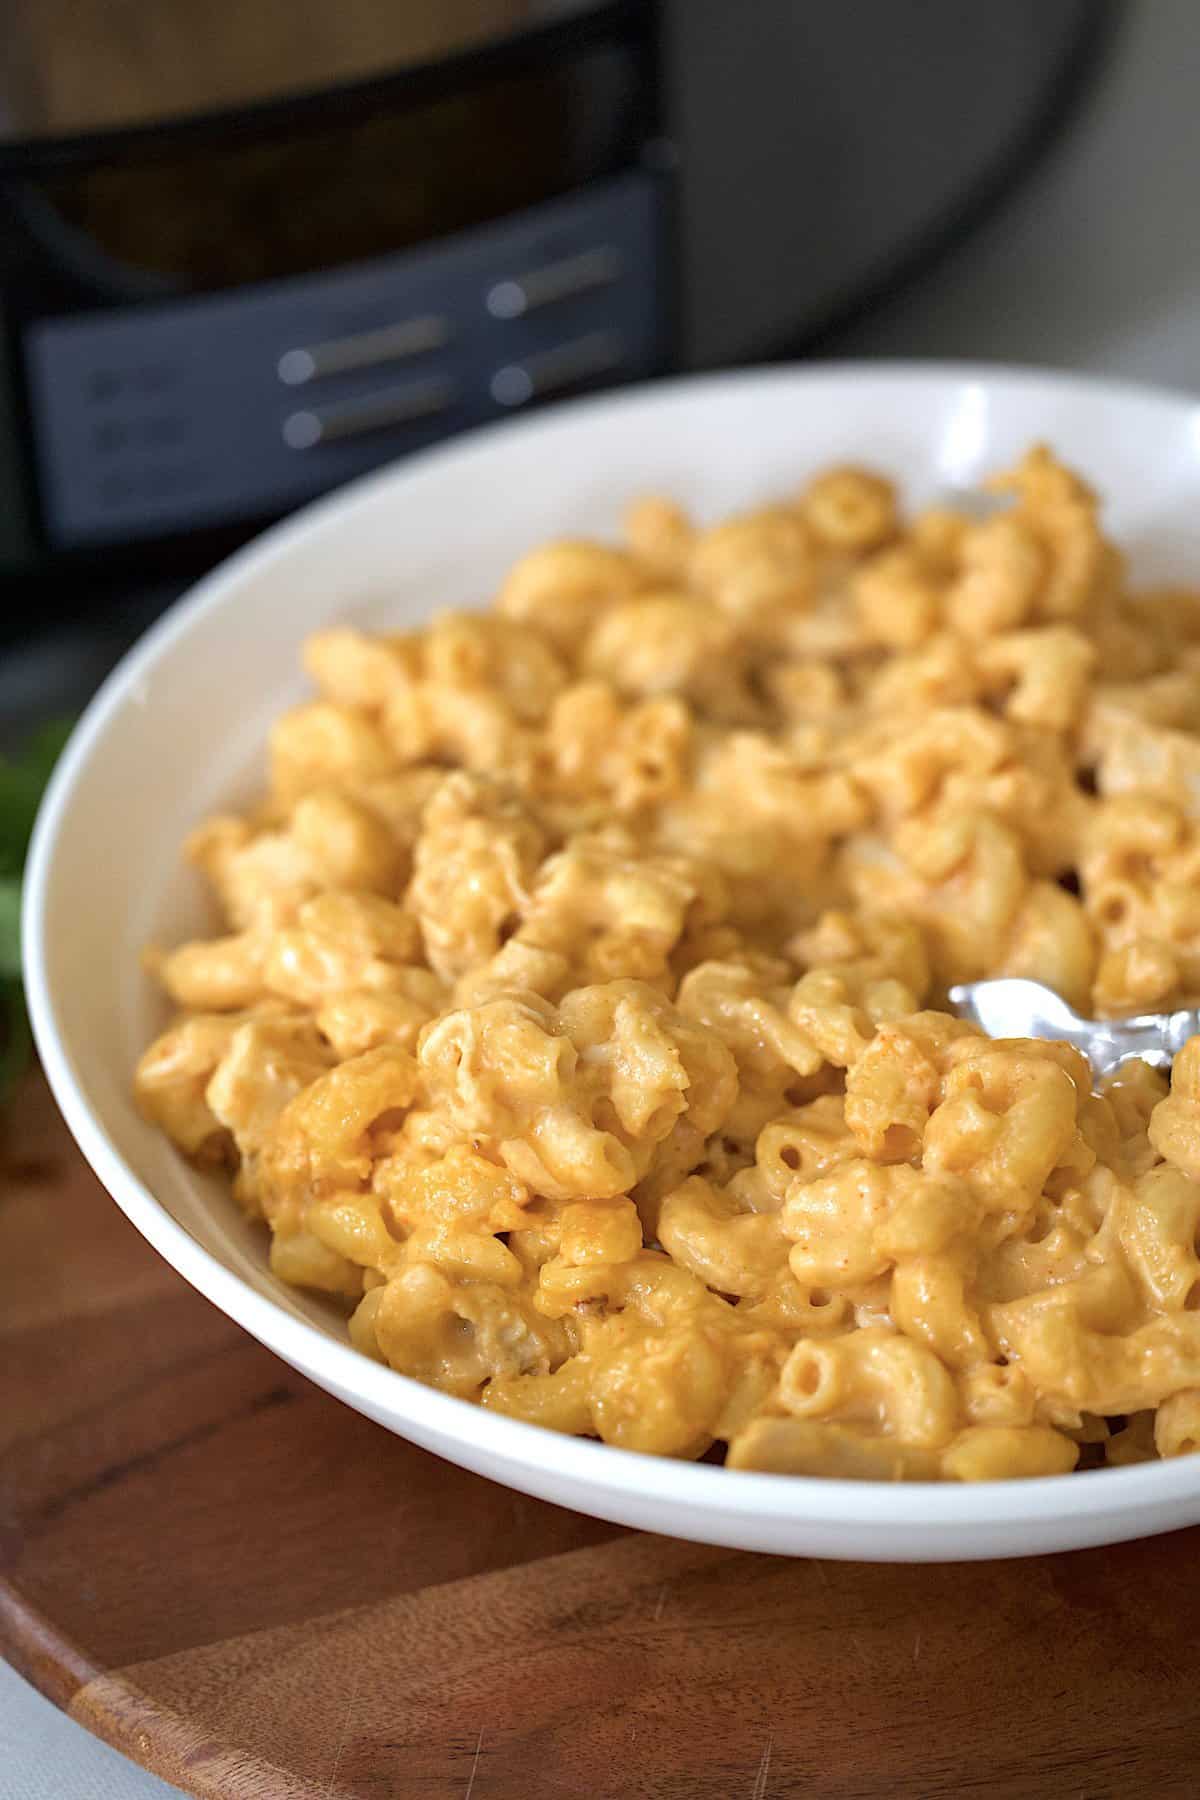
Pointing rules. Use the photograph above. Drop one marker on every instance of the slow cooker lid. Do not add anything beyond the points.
(72, 69)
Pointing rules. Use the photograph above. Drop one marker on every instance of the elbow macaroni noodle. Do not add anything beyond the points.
(579, 1015)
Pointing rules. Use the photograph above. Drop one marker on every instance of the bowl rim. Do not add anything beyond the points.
(383, 1392)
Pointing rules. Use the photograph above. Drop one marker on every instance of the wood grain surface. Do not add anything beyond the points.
(254, 1592)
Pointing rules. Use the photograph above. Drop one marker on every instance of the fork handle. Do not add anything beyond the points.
(1156, 1038)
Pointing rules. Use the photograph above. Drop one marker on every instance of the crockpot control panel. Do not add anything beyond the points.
(168, 416)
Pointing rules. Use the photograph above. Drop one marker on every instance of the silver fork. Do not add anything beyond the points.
(1012, 1007)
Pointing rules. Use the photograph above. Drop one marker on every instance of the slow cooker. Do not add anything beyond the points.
(250, 248)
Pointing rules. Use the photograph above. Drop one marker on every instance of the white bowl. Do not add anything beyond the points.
(178, 730)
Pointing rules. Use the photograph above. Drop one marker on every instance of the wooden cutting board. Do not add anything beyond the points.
(257, 1594)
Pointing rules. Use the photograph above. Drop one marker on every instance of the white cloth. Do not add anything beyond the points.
(46, 1756)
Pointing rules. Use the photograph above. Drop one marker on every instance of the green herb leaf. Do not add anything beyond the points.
(22, 781)
(45, 747)
(20, 791)
(10, 927)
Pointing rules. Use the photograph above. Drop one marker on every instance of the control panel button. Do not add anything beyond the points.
(306, 429)
(562, 280)
(552, 371)
(363, 350)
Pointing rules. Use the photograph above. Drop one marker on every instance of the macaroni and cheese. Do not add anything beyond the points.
(579, 1016)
